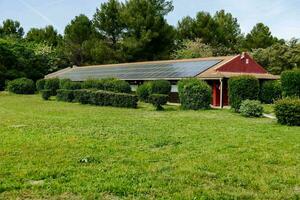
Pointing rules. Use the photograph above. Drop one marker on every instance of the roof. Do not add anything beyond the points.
(204, 68)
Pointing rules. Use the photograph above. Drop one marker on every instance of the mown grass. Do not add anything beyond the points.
(57, 150)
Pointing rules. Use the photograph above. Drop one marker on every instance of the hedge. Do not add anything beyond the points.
(65, 95)
(21, 86)
(242, 88)
(194, 94)
(143, 92)
(270, 91)
(67, 84)
(52, 85)
(290, 81)
(108, 84)
(83, 96)
(288, 111)
(158, 100)
(46, 94)
(40, 84)
(251, 108)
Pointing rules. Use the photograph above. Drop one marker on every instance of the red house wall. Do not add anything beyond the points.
(242, 64)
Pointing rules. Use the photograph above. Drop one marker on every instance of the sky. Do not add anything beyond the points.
(282, 16)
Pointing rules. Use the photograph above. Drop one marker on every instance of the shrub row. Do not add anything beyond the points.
(153, 87)
(99, 98)
(108, 84)
(290, 81)
(288, 111)
(194, 94)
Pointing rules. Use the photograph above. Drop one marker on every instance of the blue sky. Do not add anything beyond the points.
(282, 16)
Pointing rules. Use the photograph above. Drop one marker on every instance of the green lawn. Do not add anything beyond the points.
(57, 150)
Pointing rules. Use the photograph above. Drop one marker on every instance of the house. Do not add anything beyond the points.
(214, 70)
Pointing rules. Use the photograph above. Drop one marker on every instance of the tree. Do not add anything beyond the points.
(11, 28)
(78, 32)
(193, 49)
(46, 35)
(108, 22)
(259, 37)
(147, 34)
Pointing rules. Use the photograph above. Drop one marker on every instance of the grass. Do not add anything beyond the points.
(57, 150)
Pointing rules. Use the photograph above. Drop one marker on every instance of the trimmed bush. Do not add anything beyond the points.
(108, 84)
(160, 87)
(290, 81)
(251, 108)
(288, 111)
(46, 94)
(242, 88)
(67, 84)
(194, 94)
(21, 86)
(53, 85)
(158, 100)
(83, 96)
(40, 85)
(143, 92)
(270, 91)
(65, 95)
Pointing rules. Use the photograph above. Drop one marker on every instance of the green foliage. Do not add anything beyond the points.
(270, 91)
(40, 84)
(242, 88)
(67, 84)
(251, 108)
(158, 100)
(12, 29)
(290, 81)
(47, 35)
(160, 87)
(21, 86)
(194, 94)
(193, 49)
(53, 85)
(46, 94)
(83, 96)
(65, 95)
(288, 111)
(108, 84)
(143, 91)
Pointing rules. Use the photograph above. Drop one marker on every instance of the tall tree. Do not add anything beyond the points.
(77, 33)
(108, 22)
(147, 35)
(259, 37)
(11, 28)
(46, 35)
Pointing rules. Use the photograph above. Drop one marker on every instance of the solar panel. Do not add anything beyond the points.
(141, 71)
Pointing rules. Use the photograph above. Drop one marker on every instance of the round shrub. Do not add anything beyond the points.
(46, 94)
(194, 94)
(290, 82)
(40, 84)
(21, 86)
(251, 108)
(288, 111)
(160, 87)
(143, 92)
(242, 88)
(158, 100)
(270, 91)
(67, 84)
(53, 85)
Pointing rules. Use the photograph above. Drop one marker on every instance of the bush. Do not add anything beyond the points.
(270, 91)
(160, 87)
(67, 84)
(251, 108)
(53, 85)
(108, 84)
(288, 111)
(290, 81)
(242, 88)
(83, 96)
(143, 92)
(40, 84)
(46, 94)
(21, 86)
(194, 94)
(65, 95)
(158, 100)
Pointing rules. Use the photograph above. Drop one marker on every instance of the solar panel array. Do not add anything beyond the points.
(143, 71)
